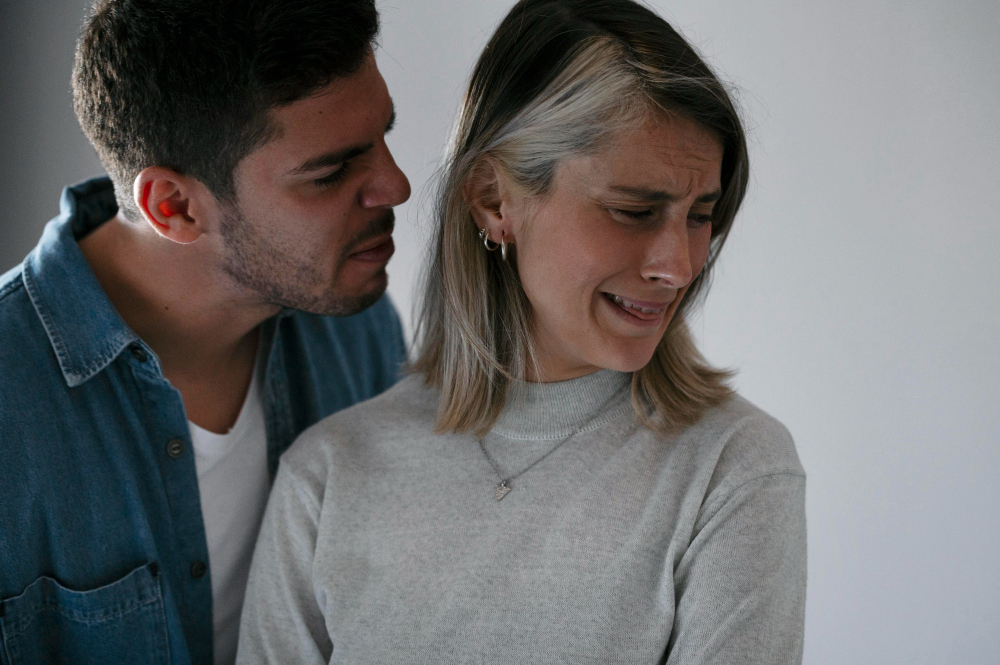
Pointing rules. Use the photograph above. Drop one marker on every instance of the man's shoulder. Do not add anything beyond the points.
(33, 394)
(30, 369)
(10, 282)
(20, 328)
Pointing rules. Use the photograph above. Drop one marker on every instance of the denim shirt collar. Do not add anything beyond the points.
(84, 328)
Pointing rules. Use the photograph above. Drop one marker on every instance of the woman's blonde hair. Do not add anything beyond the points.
(562, 78)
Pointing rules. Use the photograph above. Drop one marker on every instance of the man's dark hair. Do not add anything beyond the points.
(187, 84)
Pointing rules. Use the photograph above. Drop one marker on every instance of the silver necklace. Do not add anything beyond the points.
(504, 487)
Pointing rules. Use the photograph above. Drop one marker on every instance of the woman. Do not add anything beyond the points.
(563, 478)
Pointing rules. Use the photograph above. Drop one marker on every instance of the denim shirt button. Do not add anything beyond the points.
(139, 354)
(175, 448)
(198, 569)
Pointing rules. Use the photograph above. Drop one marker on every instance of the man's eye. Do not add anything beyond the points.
(334, 177)
(700, 220)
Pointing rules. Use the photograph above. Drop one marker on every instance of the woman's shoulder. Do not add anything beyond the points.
(741, 443)
(402, 411)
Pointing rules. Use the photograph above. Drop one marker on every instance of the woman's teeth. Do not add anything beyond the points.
(625, 303)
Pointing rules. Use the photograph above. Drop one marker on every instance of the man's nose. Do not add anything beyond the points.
(388, 186)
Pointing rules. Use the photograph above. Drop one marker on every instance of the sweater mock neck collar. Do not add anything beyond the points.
(557, 410)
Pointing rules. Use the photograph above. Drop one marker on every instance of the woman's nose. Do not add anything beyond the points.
(669, 258)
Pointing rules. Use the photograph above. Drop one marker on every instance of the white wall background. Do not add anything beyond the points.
(859, 295)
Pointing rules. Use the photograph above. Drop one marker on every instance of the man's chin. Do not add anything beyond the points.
(340, 305)
(351, 306)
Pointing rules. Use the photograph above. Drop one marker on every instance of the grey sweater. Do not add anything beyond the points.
(384, 543)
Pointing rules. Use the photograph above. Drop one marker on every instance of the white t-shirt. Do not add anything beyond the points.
(233, 481)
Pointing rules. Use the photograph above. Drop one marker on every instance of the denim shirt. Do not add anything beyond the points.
(103, 557)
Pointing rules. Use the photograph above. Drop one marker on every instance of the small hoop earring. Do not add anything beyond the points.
(485, 236)
(492, 246)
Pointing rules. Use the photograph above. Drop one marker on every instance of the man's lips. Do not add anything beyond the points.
(379, 250)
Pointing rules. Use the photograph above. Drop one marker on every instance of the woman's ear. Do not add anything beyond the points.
(170, 203)
(488, 195)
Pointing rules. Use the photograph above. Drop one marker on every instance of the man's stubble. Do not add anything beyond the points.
(279, 278)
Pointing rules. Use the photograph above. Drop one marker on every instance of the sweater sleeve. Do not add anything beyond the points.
(282, 620)
(740, 586)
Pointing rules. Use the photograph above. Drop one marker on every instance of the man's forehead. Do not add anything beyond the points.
(357, 99)
(347, 113)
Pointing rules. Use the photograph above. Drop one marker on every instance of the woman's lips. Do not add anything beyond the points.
(637, 311)
(380, 253)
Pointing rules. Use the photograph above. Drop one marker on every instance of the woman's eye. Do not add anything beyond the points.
(700, 220)
(334, 177)
(635, 215)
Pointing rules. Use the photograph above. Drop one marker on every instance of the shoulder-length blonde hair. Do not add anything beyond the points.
(561, 78)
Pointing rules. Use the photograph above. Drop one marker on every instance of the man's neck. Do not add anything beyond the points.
(177, 299)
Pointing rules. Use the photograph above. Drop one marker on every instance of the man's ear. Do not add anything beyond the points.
(489, 198)
(174, 205)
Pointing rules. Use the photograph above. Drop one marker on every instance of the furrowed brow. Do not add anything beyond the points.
(331, 159)
(711, 197)
(643, 194)
(646, 195)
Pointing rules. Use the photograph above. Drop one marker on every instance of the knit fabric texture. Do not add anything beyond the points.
(384, 542)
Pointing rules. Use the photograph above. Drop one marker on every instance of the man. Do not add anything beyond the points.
(181, 322)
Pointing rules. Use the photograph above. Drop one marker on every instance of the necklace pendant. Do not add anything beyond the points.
(502, 489)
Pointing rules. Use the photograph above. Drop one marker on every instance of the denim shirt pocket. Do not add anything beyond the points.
(121, 622)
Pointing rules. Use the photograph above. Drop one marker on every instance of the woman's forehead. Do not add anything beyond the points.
(663, 158)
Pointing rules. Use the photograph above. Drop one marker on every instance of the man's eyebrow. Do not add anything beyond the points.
(331, 159)
(392, 117)
(646, 195)
(338, 157)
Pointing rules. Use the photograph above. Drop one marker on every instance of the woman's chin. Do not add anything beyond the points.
(627, 356)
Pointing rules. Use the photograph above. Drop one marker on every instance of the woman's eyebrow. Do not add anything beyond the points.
(647, 195)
